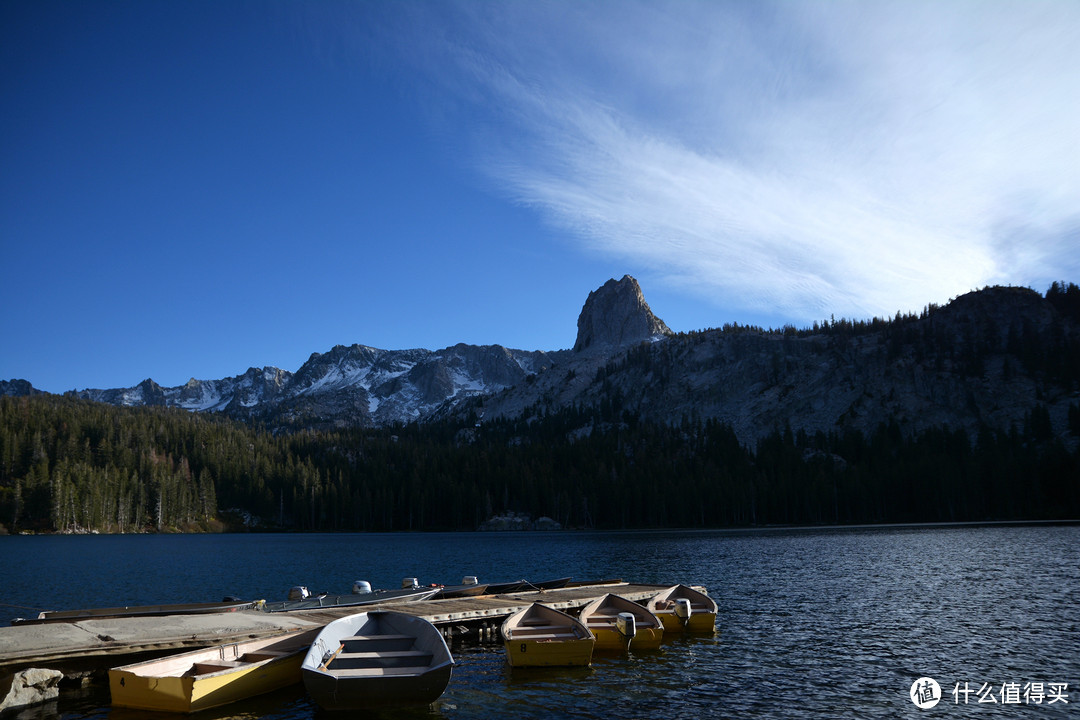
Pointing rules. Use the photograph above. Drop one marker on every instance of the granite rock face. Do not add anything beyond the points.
(615, 316)
(29, 687)
(18, 388)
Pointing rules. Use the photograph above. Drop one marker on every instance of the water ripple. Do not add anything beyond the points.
(812, 624)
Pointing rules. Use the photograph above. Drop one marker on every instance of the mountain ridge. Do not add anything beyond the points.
(986, 358)
(355, 384)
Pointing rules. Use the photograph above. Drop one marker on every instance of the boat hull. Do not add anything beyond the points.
(459, 591)
(526, 586)
(601, 617)
(539, 636)
(704, 622)
(377, 659)
(337, 693)
(612, 640)
(59, 616)
(202, 679)
(378, 597)
(702, 618)
(550, 653)
(192, 694)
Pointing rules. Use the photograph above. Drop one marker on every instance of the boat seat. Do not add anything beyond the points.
(567, 635)
(528, 629)
(205, 668)
(260, 655)
(380, 671)
(376, 637)
(369, 660)
(377, 643)
(392, 653)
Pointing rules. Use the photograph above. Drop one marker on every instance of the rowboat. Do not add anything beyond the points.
(684, 609)
(446, 592)
(201, 679)
(52, 616)
(620, 624)
(324, 600)
(539, 636)
(377, 658)
(469, 587)
(525, 586)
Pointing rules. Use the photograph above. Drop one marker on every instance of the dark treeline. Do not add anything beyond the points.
(1053, 355)
(71, 465)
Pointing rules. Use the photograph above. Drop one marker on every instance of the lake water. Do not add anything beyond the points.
(812, 623)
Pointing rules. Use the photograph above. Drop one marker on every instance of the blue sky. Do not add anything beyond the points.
(189, 189)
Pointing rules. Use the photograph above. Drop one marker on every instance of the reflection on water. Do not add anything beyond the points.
(812, 624)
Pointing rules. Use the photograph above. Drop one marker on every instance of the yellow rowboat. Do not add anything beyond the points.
(202, 679)
(539, 636)
(684, 609)
(620, 624)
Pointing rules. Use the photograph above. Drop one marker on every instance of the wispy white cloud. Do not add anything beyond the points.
(796, 158)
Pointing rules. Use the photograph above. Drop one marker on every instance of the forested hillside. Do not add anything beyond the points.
(987, 358)
(73, 465)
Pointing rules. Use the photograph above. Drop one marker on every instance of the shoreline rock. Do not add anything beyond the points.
(29, 687)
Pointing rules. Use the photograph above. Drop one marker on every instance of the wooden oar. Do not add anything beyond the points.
(326, 664)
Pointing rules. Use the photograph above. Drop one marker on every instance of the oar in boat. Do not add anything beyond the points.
(326, 664)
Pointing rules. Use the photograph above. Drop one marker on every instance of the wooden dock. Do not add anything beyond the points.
(88, 645)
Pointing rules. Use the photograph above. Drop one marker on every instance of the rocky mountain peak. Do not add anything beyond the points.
(616, 315)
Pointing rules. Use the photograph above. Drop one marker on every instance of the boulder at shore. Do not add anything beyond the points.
(29, 687)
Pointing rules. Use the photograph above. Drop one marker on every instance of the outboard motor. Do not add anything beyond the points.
(410, 584)
(624, 623)
(361, 587)
(299, 592)
(470, 580)
(682, 610)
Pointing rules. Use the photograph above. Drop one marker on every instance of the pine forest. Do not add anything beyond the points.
(74, 466)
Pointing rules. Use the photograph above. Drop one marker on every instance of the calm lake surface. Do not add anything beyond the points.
(812, 623)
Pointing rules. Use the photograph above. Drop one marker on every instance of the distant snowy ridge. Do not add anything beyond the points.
(353, 384)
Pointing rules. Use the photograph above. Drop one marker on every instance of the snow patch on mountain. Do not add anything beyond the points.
(132, 396)
(354, 384)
